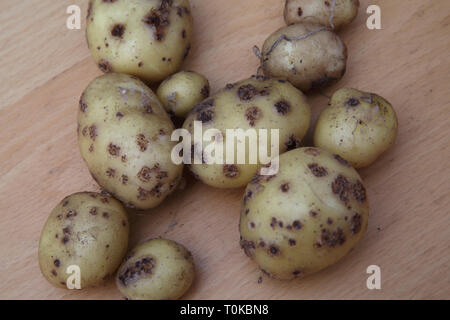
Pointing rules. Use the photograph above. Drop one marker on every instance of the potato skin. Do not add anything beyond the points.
(181, 91)
(86, 229)
(358, 126)
(157, 269)
(146, 38)
(305, 218)
(306, 69)
(344, 12)
(258, 103)
(124, 138)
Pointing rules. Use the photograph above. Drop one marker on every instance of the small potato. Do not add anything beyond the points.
(356, 125)
(305, 218)
(146, 38)
(88, 230)
(256, 103)
(180, 92)
(288, 53)
(124, 138)
(331, 13)
(157, 269)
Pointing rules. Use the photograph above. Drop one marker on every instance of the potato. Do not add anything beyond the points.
(157, 269)
(287, 53)
(124, 136)
(180, 92)
(146, 38)
(356, 125)
(256, 103)
(88, 230)
(305, 218)
(331, 13)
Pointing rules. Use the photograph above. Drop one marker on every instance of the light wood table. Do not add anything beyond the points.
(45, 67)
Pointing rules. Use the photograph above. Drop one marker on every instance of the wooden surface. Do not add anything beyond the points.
(45, 67)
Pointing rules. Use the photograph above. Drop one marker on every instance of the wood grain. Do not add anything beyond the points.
(45, 67)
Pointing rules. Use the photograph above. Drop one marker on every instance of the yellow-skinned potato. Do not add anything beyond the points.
(358, 126)
(124, 137)
(256, 103)
(182, 91)
(306, 217)
(287, 54)
(331, 13)
(88, 230)
(146, 38)
(157, 269)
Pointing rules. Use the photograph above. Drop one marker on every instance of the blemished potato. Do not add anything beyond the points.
(331, 13)
(287, 54)
(256, 103)
(88, 230)
(356, 125)
(305, 218)
(146, 38)
(182, 91)
(157, 269)
(124, 136)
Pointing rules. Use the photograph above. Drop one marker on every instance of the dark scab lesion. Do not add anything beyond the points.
(331, 238)
(359, 192)
(54, 273)
(297, 225)
(312, 151)
(118, 30)
(293, 143)
(139, 269)
(205, 91)
(352, 102)
(83, 104)
(274, 251)
(283, 107)
(231, 171)
(105, 66)
(113, 150)
(110, 173)
(93, 211)
(285, 187)
(142, 142)
(248, 247)
(205, 110)
(341, 187)
(158, 19)
(71, 214)
(317, 170)
(356, 223)
(93, 132)
(322, 82)
(342, 160)
(124, 179)
(252, 115)
(248, 92)
(57, 263)
(105, 215)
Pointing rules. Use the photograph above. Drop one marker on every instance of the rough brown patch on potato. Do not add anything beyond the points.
(274, 250)
(142, 142)
(342, 160)
(285, 187)
(341, 187)
(83, 104)
(330, 221)
(352, 102)
(292, 242)
(183, 34)
(65, 203)
(312, 151)
(317, 170)
(355, 223)
(105, 66)
(141, 268)
(119, 115)
(283, 107)
(93, 211)
(124, 179)
(253, 114)
(140, 64)
(322, 82)
(204, 110)
(247, 92)
(186, 52)
(248, 247)
(252, 225)
(231, 171)
(359, 192)
(297, 225)
(144, 174)
(105, 215)
(71, 214)
(300, 11)
(205, 91)
(229, 86)
(313, 213)
(118, 30)
(113, 150)
(93, 132)
(158, 19)
(110, 173)
(54, 272)
(293, 143)
(247, 211)
(331, 239)
(57, 263)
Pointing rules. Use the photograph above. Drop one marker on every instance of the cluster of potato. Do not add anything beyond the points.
(294, 222)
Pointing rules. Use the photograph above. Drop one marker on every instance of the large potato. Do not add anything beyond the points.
(182, 91)
(88, 230)
(358, 126)
(157, 269)
(331, 13)
(124, 137)
(305, 218)
(146, 38)
(309, 55)
(256, 103)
